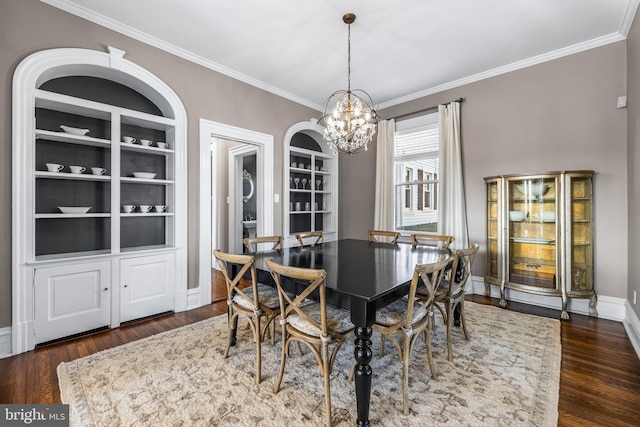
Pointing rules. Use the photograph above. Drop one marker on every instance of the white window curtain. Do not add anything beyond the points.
(384, 202)
(452, 215)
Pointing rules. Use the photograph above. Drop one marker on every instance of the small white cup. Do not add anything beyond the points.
(54, 167)
(128, 208)
(98, 171)
(77, 169)
(145, 142)
(129, 139)
(160, 208)
(294, 165)
(145, 208)
(161, 144)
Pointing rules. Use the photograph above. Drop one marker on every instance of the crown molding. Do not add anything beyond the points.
(114, 25)
(629, 15)
(534, 60)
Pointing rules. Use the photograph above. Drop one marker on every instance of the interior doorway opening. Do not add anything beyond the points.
(216, 142)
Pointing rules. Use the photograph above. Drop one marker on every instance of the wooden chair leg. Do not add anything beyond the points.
(382, 339)
(327, 389)
(283, 359)
(449, 321)
(405, 374)
(233, 320)
(432, 366)
(258, 339)
(464, 325)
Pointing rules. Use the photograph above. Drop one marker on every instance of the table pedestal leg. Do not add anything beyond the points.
(363, 354)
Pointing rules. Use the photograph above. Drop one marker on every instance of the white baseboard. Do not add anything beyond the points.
(610, 308)
(632, 326)
(5, 342)
(193, 298)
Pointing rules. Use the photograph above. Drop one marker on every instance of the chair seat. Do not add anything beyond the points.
(337, 320)
(396, 312)
(267, 296)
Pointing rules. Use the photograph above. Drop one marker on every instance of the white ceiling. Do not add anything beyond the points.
(400, 50)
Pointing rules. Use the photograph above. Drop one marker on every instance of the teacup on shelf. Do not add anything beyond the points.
(54, 167)
(145, 208)
(162, 145)
(145, 142)
(77, 169)
(160, 208)
(129, 139)
(98, 171)
(128, 208)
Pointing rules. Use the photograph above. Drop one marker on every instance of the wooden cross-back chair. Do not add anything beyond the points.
(451, 292)
(407, 318)
(315, 236)
(315, 325)
(252, 243)
(381, 236)
(436, 240)
(254, 302)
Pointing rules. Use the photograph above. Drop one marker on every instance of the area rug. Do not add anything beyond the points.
(506, 375)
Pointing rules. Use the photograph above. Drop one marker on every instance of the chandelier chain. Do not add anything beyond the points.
(349, 59)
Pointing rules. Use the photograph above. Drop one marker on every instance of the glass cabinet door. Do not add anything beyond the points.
(533, 234)
(492, 230)
(580, 234)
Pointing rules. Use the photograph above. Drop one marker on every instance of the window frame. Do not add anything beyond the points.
(425, 189)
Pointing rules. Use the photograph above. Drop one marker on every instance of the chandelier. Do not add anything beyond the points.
(348, 116)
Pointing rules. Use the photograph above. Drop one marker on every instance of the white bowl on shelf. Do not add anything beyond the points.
(74, 209)
(74, 131)
(145, 175)
(548, 216)
(516, 216)
(536, 190)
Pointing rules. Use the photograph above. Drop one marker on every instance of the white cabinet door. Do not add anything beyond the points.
(146, 286)
(71, 299)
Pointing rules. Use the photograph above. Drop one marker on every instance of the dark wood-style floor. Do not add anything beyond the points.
(599, 381)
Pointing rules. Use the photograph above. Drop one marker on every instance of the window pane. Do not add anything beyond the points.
(416, 200)
(425, 219)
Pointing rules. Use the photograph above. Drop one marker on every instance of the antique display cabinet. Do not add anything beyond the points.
(540, 235)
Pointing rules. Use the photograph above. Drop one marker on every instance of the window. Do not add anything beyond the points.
(416, 178)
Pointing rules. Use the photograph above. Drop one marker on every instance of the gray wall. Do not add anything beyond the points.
(558, 115)
(28, 26)
(633, 161)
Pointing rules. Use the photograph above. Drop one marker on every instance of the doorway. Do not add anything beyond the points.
(244, 195)
(214, 192)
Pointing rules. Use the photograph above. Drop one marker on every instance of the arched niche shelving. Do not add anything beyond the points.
(310, 191)
(81, 260)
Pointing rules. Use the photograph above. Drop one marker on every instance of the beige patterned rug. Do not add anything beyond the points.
(506, 375)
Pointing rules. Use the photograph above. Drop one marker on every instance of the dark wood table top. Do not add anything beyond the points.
(357, 268)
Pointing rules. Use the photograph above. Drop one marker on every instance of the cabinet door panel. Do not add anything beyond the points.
(147, 286)
(71, 299)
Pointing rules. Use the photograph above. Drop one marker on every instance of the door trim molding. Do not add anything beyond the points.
(209, 130)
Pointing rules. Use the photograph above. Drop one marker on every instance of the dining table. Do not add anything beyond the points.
(362, 277)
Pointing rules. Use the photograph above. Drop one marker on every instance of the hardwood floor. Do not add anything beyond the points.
(599, 381)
